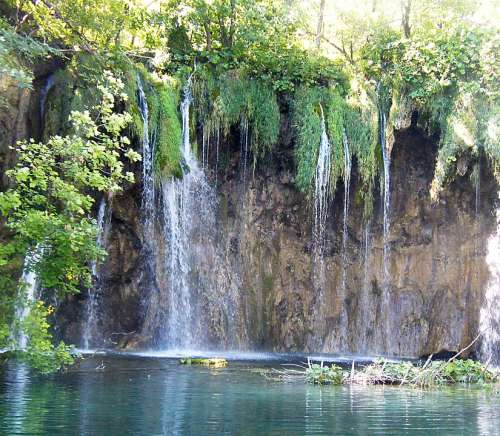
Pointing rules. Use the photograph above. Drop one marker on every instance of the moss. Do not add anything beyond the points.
(164, 124)
(169, 132)
(267, 283)
(306, 122)
(222, 103)
(343, 115)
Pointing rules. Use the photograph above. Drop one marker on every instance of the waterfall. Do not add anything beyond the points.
(180, 307)
(365, 311)
(347, 183)
(90, 327)
(29, 278)
(384, 331)
(198, 283)
(244, 147)
(43, 96)
(322, 188)
(387, 196)
(29, 283)
(148, 186)
(321, 203)
(489, 319)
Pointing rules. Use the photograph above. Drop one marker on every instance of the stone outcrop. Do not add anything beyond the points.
(437, 262)
(437, 269)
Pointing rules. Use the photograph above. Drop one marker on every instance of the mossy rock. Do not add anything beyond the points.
(214, 363)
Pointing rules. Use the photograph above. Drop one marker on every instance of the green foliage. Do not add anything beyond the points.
(89, 24)
(166, 126)
(17, 54)
(49, 205)
(258, 37)
(306, 121)
(324, 374)
(431, 374)
(41, 353)
(225, 101)
(451, 76)
(342, 117)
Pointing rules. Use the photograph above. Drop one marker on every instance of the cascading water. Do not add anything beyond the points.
(90, 336)
(321, 189)
(30, 292)
(196, 284)
(29, 277)
(342, 292)
(321, 202)
(244, 147)
(386, 157)
(489, 320)
(43, 97)
(347, 184)
(148, 185)
(387, 195)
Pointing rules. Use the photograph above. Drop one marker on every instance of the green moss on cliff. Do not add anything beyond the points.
(167, 127)
(226, 101)
(342, 117)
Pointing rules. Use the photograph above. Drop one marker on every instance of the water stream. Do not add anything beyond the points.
(341, 343)
(489, 320)
(29, 277)
(322, 192)
(148, 185)
(197, 274)
(30, 292)
(386, 156)
(91, 333)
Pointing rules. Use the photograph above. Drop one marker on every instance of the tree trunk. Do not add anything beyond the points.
(319, 29)
(405, 18)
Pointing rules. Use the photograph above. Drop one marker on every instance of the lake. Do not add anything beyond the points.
(140, 395)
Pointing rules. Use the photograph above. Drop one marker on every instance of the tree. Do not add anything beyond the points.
(48, 208)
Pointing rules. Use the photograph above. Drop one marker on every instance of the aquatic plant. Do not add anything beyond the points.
(212, 362)
(320, 374)
(381, 371)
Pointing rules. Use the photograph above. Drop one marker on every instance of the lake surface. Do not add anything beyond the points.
(134, 395)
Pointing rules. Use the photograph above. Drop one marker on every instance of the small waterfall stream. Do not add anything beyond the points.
(198, 281)
(148, 185)
(387, 195)
(321, 189)
(244, 147)
(29, 278)
(385, 304)
(489, 319)
(321, 203)
(31, 291)
(43, 97)
(90, 335)
(347, 185)
(178, 219)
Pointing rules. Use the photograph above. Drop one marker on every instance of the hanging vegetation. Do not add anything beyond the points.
(223, 102)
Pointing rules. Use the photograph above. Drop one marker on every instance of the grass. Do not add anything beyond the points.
(430, 374)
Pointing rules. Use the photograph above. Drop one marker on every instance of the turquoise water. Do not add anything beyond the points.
(153, 396)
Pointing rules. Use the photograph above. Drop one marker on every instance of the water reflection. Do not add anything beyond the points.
(159, 397)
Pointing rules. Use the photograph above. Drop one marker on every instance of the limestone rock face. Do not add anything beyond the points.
(437, 269)
(14, 121)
